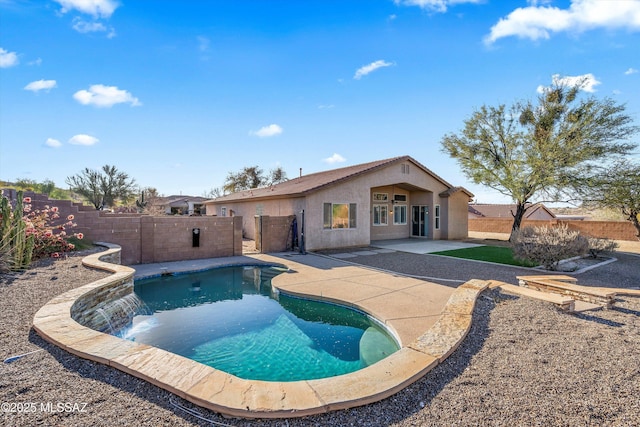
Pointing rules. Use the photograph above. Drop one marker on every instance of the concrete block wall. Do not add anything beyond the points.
(273, 233)
(615, 230)
(171, 238)
(148, 239)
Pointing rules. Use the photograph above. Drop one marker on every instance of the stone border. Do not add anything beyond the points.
(236, 397)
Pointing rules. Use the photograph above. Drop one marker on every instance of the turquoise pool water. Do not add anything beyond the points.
(230, 318)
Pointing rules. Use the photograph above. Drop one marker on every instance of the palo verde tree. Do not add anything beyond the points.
(617, 187)
(252, 177)
(539, 150)
(104, 187)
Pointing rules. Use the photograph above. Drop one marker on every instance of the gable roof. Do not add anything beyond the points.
(505, 210)
(306, 184)
(178, 200)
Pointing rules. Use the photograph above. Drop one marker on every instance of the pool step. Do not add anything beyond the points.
(603, 297)
(564, 302)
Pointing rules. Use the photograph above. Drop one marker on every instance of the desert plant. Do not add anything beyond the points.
(548, 246)
(16, 247)
(30, 234)
(49, 233)
(599, 245)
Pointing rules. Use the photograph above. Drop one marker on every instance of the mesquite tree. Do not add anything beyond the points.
(533, 150)
(103, 188)
(252, 177)
(617, 187)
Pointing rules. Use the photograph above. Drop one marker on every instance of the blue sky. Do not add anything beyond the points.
(177, 94)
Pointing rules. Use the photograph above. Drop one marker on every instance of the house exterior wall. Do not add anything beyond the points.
(249, 209)
(316, 237)
(424, 190)
(391, 230)
(454, 221)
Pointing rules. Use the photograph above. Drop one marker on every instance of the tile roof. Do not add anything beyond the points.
(312, 182)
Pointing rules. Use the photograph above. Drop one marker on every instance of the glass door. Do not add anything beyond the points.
(420, 221)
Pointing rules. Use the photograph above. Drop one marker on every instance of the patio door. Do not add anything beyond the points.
(420, 221)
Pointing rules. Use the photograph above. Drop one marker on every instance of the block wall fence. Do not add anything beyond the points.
(273, 233)
(615, 230)
(148, 239)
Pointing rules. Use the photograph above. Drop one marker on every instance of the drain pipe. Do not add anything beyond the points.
(302, 248)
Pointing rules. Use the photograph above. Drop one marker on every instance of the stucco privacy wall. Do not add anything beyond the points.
(147, 239)
(616, 230)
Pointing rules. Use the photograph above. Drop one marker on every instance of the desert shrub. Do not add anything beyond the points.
(599, 245)
(30, 234)
(16, 246)
(548, 245)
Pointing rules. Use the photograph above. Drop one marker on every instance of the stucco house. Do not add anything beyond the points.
(181, 205)
(351, 206)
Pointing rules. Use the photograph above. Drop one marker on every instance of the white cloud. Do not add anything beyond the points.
(39, 85)
(433, 5)
(82, 26)
(630, 71)
(54, 143)
(8, 59)
(36, 62)
(366, 69)
(539, 22)
(336, 158)
(105, 96)
(587, 82)
(83, 139)
(95, 8)
(267, 131)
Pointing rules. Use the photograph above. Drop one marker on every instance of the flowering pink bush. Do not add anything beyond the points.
(50, 235)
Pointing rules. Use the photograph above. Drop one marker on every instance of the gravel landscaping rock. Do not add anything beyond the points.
(523, 363)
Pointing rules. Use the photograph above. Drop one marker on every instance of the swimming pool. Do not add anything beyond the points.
(231, 319)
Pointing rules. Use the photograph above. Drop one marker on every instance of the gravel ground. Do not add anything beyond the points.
(523, 363)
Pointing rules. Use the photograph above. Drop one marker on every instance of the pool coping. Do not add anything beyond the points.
(392, 299)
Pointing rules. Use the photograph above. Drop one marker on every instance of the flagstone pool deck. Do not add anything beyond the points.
(428, 320)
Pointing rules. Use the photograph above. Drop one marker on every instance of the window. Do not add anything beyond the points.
(405, 168)
(400, 198)
(400, 214)
(339, 215)
(380, 197)
(437, 217)
(380, 214)
(223, 211)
